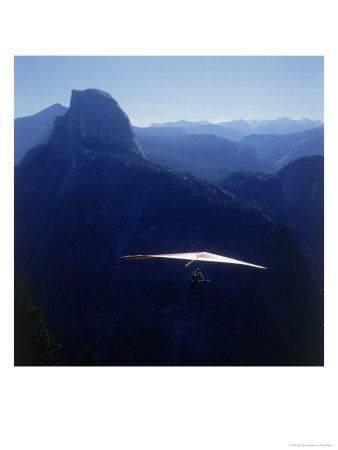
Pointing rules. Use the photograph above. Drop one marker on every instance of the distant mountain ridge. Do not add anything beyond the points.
(283, 125)
(202, 127)
(279, 150)
(31, 130)
(206, 156)
(243, 127)
(213, 158)
(159, 131)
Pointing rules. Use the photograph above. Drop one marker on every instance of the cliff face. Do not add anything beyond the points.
(89, 196)
(94, 121)
(295, 195)
(263, 189)
(302, 182)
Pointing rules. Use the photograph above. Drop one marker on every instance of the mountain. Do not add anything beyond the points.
(261, 188)
(206, 156)
(279, 150)
(88, 195)
(302, 183)
(201, 127)
(31, 130)
(283, 125)
(180, 124)
(294, 195)
(236, 130)
(159, 131)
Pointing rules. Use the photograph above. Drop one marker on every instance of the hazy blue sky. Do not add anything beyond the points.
(157, 89)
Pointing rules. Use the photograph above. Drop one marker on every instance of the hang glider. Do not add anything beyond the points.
(195, 256)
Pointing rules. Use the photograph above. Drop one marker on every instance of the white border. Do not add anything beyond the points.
(169, 408)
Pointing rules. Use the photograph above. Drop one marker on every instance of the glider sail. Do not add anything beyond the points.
(195, 256)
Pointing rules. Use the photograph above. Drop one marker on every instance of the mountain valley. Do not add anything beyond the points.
(90, 194)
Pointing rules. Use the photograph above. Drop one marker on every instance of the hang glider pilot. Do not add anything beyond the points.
(197, 275)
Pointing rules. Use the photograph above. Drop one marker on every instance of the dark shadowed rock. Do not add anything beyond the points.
(263, 189)
(295, 195)
(302, 183)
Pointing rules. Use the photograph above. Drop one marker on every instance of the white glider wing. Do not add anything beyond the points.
(195, 256)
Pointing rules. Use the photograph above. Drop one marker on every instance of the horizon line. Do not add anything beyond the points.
(212, 122)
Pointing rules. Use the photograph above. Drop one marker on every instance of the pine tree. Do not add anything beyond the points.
(33, 342)
(87, 358)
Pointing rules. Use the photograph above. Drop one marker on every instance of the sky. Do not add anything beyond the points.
(169, 88)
